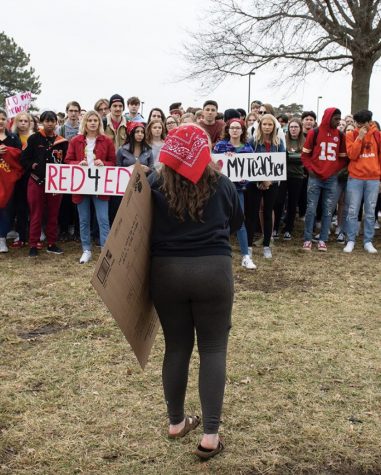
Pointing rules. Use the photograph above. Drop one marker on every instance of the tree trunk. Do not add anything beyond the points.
(361, 74)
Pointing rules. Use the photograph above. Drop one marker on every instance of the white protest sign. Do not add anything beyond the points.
(18, 103)
(252, 166)
(75, 179)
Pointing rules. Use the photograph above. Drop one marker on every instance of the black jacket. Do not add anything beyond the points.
(41, 150)
(222, 216)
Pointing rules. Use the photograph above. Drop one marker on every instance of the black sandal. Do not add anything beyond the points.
(206, 454)
(189, 425)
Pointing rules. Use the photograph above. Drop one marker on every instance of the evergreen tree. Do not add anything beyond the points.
(15, 73)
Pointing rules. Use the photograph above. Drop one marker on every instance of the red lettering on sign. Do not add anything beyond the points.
(63, 177)
(53, 172)
(120, 171)
(75, 171)
(108, 180)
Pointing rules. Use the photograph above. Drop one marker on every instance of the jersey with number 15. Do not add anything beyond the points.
(324, 153)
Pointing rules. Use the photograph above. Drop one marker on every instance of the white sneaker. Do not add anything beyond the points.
(376, 225)
(250, 249)
(3, 245)
(247, 262)
(86, 257)
(13, 234)
(349, 247)
(370, 248)
(267, 253)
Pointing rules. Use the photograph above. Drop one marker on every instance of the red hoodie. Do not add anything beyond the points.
(328, 156)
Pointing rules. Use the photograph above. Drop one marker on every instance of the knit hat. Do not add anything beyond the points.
(186, 150)
(132, 125)
(117, 98)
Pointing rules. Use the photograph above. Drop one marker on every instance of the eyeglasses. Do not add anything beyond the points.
(261, 112)
(235, 128)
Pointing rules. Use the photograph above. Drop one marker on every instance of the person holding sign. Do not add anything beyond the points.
(195, 210)
(43, 147)
(235, 141)
(91, 148)
(266, 140)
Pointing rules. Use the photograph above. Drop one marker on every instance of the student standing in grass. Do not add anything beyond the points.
(235, 141)
(195, 210)
(43, 147)
(364, 152)
(91, 148)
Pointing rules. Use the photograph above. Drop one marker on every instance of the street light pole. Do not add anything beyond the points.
(317, 108)
(251, 73)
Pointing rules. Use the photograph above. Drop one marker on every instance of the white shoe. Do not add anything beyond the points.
(250, 249)
(370, 248)
(349, 247)
(267, 253)
(86, 257)
(13, 234)
(376, 225)
(3, 245)
(247, 262)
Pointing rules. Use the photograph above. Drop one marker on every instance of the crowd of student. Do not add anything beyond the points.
(333, 170)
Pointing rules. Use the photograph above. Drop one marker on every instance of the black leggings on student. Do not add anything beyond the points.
(194, 294)
(269, 197)
(290, 189)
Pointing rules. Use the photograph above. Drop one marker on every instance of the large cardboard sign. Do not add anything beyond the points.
(253, 166)
(18, 103)
(75, 179)
(121, 275)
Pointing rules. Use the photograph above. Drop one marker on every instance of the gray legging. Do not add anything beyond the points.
(194, 293)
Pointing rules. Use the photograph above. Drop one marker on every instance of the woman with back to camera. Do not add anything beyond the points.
(91, 147)
(266, 140)
(235, 141)
(195, 210)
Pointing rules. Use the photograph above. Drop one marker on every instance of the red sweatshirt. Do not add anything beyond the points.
(328, 156)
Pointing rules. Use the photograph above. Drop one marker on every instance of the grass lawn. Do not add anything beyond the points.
(303, 394)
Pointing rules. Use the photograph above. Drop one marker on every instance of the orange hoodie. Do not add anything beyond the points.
(364, 155)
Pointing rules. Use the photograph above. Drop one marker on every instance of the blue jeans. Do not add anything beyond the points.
(242, 233)
(101, 211)
(356, 190)
(341, 188)
(328, 190)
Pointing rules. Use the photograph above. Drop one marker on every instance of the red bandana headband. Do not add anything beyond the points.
(132, 125)
(186, 150)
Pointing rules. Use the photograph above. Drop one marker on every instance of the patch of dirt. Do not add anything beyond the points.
(50, 329)
(271, 282)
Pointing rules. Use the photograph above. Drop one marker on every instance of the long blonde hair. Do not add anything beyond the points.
(82, 126)
(259, 136)
(16, 121)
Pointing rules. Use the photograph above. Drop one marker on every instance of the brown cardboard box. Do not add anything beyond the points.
(121, 275)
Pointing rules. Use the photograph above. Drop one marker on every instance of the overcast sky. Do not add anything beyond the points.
(87, 49)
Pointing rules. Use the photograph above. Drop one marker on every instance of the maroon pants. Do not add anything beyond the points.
(37, 201)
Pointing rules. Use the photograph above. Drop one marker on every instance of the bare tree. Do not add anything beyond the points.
(298, 36)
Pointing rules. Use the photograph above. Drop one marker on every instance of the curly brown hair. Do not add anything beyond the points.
(183, 196)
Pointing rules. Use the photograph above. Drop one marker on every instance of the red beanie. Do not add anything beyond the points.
(186, 150)
(132, 125)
